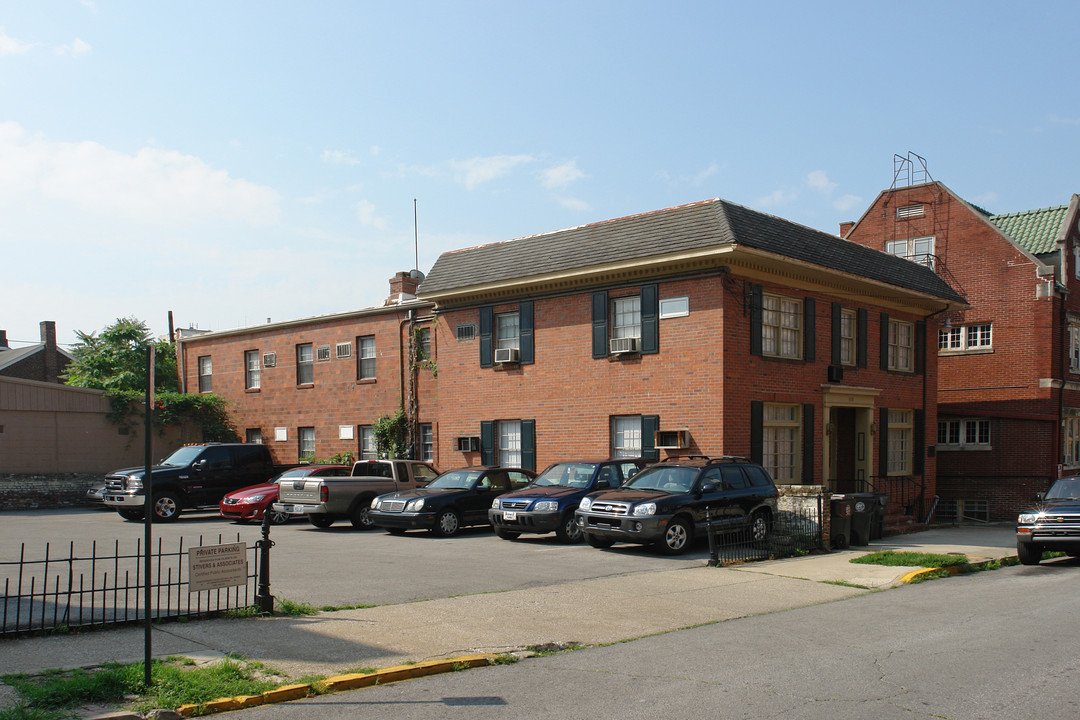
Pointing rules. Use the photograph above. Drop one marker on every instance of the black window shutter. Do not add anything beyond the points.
(650, 319)
(599, 324)
(809, 330)
(649, 425)
(883, 444)
(884, 341)
(487, 442)
(755, 319)
(528, 444)
(808, 436)
(836, 320)
(920, 346)
(487, 340)
(861, 324)
(757, 431)
(525, 327)
(918, 446)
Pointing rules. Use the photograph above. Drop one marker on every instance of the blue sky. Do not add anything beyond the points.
(237, 161)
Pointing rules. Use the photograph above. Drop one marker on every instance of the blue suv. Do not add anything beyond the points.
(547, 504)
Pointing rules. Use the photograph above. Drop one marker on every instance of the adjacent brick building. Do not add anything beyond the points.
(44, 362)
(1009, 366)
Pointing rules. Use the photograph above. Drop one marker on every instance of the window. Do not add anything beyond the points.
(847, 337)
(509, 443)
(427, 442)
(1071, 436)
(901, 345)
(626, 317)
(367, 443)
(423, 344)
(305, 368)
(365, 357)
(626, 436)
(900, 442)
(344, 350)
(781, 326)
(251, 370)
(965, 337)
(306, 437)
(919, 250)
(508, 331)
(674, 307)
(1074, 348)
(253, 436)
(465, 332)
(206, 372)
(964, 433)
(781, 440)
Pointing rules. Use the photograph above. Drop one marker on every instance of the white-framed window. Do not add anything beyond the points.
(343, 350)
(674, 307)
(626, 436)
(365, 357)
(1074, 347)
(252, 373)
(206, 374)
(367, 442)
(964, 433)
(918, 250)
(626, 317)
(965, 337)
(901, 430)
(901, 345)
(306, 437)
(781, 326)
(508, 434)
(305, 364)
(847, 337)
(1070, 429)
(781, 439)
(508, 331)
(427, 442)
(423, 344)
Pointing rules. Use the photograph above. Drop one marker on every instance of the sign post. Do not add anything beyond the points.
(148, 508)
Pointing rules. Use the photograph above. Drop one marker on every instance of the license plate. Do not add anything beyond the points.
(509, 515)
(293, 509)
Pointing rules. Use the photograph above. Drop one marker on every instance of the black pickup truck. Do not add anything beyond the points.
(195, 476)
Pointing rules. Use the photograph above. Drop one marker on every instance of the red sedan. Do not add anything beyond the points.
(248, 504)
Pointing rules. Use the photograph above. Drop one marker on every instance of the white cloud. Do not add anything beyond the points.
(75, 48)
(11, 46)
(1056, 119)
(705, 174)
(847, 202)
(153, 185)
(375, 150)
(777, 197)
(339, 157)
(365, 211)
(819, 181)
(477, 171)
(89, 5)
(560, 177)
(574, 204)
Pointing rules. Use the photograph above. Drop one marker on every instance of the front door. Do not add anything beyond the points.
(845, 467)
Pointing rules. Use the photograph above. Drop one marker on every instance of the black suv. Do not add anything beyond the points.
(1053, 524)
(665, 504)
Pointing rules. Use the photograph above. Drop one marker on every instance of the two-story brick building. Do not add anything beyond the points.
(1009, 366)
(705, 328)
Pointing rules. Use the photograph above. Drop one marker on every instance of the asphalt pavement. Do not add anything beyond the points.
(588, 612)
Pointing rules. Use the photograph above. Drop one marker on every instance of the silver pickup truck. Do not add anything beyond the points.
(326, 499)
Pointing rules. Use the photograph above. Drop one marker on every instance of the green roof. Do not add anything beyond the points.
(1034, 230)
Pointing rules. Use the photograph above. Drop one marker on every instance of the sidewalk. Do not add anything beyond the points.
(588, 612)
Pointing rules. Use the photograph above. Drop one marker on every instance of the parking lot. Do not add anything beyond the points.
(342, 566)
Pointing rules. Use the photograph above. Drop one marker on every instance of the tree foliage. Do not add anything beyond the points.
(115, 360)
(392, 435)
(209, 412)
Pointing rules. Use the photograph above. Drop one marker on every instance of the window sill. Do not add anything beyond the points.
(969, 351)
(252, 390)
(964, 448)
(366, 381)
(305, 386)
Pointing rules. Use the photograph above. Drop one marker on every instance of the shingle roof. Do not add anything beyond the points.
(14, 355)
(696, 226)
(1033, 230)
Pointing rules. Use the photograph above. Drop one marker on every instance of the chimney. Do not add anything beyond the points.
(48, 337)
(3, 340)
(845, 227)
(402, 287)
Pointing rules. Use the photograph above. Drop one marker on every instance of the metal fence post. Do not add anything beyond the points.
(263, 597)
(714, 556)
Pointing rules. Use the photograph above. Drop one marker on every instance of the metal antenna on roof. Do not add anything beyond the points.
(416, 237)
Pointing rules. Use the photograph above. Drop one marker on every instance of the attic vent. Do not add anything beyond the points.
(344, 350)
(909, 211)
(466, 332)
(322, 352)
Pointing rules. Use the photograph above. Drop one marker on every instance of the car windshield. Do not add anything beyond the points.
(666, 479)
(566, 475)
(293, 473)
(183, 456)
(1065, 489)
(456, 479)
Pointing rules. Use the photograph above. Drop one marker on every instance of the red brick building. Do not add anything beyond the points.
(1009, 366)
(707, 329)
(45, 361)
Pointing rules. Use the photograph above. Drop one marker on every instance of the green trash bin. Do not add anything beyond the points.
(862, 517)
(841, 508)
(877, 520)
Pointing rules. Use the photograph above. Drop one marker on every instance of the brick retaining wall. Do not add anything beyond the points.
(45, 491)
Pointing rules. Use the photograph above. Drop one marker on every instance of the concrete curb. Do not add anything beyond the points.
(954, 569)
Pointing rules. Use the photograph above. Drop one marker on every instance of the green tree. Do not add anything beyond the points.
(115, 360)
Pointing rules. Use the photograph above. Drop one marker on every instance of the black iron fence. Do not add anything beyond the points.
(797, 530)
(71, 589)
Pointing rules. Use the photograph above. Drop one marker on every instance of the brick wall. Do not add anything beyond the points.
(45, 491)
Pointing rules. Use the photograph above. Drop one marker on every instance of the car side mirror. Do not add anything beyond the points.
(1039, 497)
(198, 466)
(708, 488)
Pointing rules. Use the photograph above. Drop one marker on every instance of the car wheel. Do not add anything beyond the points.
(396, 531)
(569, 531)
(361, 517)
(1028, 553)
(507, 535)
(278, 518)
(321, 520)
(447, 523)
(759, 527)
(598, 542)
(166, 507)
(131, 514)
(677, 537)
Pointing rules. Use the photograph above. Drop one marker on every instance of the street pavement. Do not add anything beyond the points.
(589, 612)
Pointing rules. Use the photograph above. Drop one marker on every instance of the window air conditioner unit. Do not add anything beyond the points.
(672, 439)
(467, 443)
(506, 355)
(269, 359)
(620, 346)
